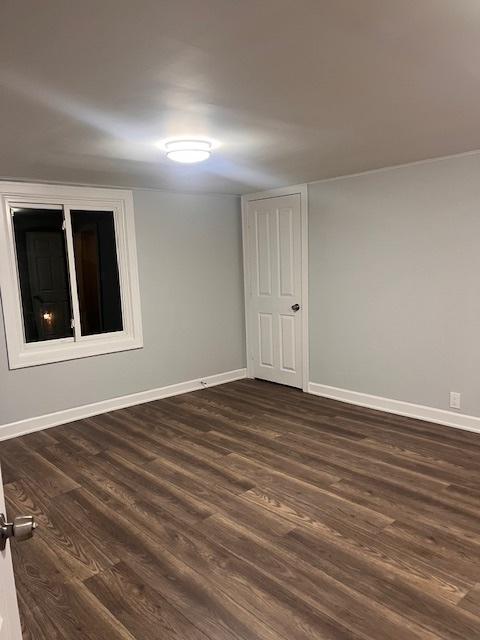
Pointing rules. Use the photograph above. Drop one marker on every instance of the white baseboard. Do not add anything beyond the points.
(421, 412)
(38, 423)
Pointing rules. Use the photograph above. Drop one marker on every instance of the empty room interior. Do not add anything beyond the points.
(240, 320)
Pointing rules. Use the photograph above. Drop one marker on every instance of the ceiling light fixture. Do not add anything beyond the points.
(188, 151)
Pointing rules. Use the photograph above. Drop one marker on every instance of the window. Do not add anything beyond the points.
(68, 273)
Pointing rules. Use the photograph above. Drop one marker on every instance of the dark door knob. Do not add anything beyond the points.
(295, 307)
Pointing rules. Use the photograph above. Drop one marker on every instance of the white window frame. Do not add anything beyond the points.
(23, 354)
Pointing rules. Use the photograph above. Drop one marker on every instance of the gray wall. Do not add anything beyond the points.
(395, 282)
(191, 285)
(394, 294)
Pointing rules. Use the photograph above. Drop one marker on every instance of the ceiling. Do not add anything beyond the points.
(293, 90)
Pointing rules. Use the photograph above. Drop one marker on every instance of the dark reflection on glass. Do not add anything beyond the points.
(96, 266)
(43, 273)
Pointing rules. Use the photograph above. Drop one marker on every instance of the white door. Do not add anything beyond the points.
(9, 619)
(274, 299)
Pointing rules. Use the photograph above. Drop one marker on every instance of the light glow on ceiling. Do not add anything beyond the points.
(188, 151)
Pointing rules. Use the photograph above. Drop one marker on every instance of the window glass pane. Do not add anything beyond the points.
(43, 273)
(96, 265)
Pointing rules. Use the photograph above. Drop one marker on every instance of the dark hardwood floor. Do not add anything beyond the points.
(247, 511)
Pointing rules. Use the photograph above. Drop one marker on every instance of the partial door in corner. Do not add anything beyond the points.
(9, 618)
(274, 297)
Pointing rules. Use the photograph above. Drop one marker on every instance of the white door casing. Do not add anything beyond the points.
(10, 628)
(275, 280)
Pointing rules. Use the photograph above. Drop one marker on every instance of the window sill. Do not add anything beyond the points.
(67, 349)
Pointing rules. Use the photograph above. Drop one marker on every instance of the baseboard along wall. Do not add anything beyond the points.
(398, 407)
(22, 427)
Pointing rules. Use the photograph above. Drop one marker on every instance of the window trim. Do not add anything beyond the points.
(23, 354)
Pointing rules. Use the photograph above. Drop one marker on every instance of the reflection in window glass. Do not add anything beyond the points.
(96, 266)
(43, 273)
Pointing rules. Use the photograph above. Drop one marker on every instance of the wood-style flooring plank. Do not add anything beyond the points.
(247, 510)
(141, 609)
(323, 589)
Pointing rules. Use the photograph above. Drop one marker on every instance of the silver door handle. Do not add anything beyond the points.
(20, 529)
(295, 307)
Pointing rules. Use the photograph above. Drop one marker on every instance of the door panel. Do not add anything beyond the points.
(9, 618)
(287, 343)
(265, 335)
(264, 271)
(274, 251)
(286, 252)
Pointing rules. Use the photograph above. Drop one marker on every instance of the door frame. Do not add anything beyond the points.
(302, 191)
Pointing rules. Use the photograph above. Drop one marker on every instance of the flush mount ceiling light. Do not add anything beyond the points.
(188, 151)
